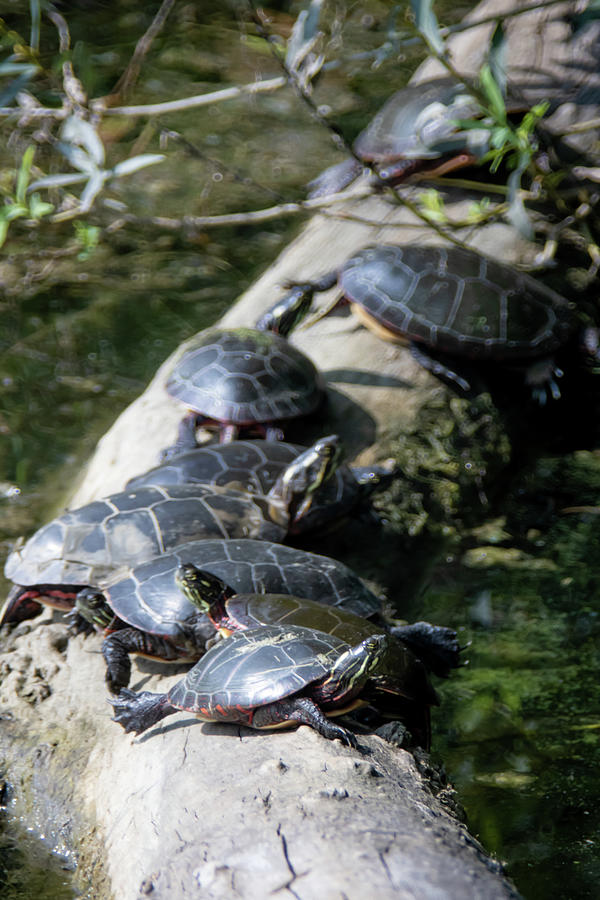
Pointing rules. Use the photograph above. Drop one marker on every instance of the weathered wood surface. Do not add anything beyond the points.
(215, 811)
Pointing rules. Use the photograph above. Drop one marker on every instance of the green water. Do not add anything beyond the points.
(31, 871)
(518, 729)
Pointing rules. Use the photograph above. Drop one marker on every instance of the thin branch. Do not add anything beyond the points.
(253, 216)
(73, 88)
(131, 73)
(157, 109)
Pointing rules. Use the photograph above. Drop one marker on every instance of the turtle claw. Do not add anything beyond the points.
(347, 737)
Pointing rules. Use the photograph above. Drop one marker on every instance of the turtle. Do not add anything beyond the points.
(148, 599)
(274, 676)
(83, 546)
(281, 471)
(175, 627)
(241, 381)
(230, 610)
(450, 300)
(256, 466)
(416, 133)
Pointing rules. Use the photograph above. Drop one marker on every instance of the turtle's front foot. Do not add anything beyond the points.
(138, 712)
(78, 624)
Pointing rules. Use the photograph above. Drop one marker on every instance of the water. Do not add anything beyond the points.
(518, 728)
(30, 870)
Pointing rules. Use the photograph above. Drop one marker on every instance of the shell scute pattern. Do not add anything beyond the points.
(243, 376)
(148, 597)
(86, 545)
(457, 300)
(256, 667)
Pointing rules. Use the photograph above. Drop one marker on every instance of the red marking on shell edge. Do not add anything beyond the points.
(55, 598)
(220, 709)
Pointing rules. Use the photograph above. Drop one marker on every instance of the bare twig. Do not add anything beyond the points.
(64, 38)
(157, 109)
(73, 88)
(253, 216)
(131, 73)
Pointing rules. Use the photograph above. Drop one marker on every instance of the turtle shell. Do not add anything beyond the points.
(242, 375)
(149, 599)
(85, 545)
(256, 667)
(255, 466)
(399, 664)
(252, 466)
(457, 301)
(252, 610)
(415, 121)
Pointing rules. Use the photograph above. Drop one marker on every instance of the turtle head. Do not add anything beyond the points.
(353, 668)
(292, 495)
(203, 589)
(93, 606)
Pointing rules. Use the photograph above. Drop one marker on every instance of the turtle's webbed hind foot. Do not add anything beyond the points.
(138, 712)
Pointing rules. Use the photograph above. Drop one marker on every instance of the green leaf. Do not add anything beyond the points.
(38, 208)
(24, 173)
(497, 58)
(493, 94)
(427, 24)
(14, 211)
(500, 137)
(3, 230)
(432, 206)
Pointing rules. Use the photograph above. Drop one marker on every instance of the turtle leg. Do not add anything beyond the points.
(305, 712)
(138, 712)
(437, 368)
(293, 307)
(117, 647)
(272, 433)
(228, 433)
(186, 437)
